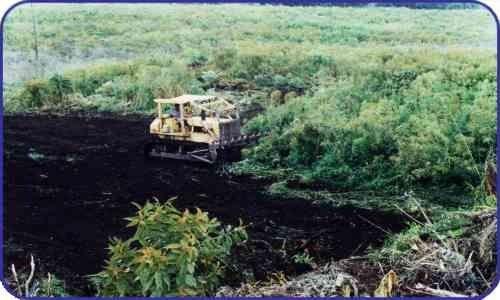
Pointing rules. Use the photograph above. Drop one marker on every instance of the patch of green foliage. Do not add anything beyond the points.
(172, 253)
(303, 258)
(51, 286)
(133, 85)
(385, 119)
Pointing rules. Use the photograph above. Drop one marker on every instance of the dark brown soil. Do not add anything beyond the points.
(69, 182)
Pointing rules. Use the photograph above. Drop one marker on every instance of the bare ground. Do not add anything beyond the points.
(69, 182)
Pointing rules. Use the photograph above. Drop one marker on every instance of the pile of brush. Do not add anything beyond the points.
(326, 281)
(453, 267)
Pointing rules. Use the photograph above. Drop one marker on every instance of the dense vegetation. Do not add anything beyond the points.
(389, 118)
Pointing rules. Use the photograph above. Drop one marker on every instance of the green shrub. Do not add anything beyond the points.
(59, 87)
(209, 78)
(35, 93)
(171, 253)
(288, 96)
(196, 59)
(51, 286)
(303, 258)
(276, 97)
(225, 58)
(88, 80)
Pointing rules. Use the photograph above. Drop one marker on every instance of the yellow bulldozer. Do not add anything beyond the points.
(199, 128)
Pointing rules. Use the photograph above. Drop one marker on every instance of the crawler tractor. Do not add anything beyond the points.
(196, 128)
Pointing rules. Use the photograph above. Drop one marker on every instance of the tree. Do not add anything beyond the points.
(35, 43)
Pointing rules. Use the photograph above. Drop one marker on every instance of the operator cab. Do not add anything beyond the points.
(195, 127)
(201, 117)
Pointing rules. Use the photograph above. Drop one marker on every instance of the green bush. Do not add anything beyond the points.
(171, 253)
(398, 120)
(34, 94)
(88, 80)
(209, 78)
(196, 59)
(51, 286)
(59, 87)
(225, 58)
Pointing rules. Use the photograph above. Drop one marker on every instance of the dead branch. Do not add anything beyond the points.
(30, 277)
(408, 215)
(373, 224)
(49, 284)
(423, 212)
(16, 279)
(482, 277)
(435, 292)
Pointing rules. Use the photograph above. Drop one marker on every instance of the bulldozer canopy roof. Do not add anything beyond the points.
(185, 99)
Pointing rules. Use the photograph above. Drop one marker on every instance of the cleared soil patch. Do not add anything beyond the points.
(69, 182)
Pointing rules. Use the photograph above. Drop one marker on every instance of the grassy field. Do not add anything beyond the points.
(70, 36)
(353, 101)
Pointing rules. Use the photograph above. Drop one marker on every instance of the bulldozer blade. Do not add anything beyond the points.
(200, 155)
(181, 156)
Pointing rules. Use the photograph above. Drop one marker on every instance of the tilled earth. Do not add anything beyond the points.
(69, 182)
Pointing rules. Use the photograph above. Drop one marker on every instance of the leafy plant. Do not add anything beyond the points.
(52, 286)
(35, 93)
(209, 78)
(303, 258)
(171, 253)
(196, 59)
(59, 87)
